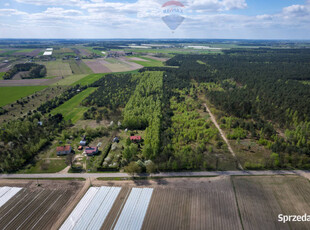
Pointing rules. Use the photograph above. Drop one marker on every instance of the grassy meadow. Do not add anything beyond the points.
(71, 110)
(11, 94)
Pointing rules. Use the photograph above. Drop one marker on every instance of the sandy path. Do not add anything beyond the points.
(222, 135)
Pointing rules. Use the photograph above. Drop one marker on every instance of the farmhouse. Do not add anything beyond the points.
(136, 139)
(63, 150)
(90, 151)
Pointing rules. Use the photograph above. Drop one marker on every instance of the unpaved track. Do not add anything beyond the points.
(223, 136)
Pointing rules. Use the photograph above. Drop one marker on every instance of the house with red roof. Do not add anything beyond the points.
(91, 151)
(63, 150)
(136, 139)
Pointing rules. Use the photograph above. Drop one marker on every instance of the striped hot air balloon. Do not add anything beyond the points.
(173, 11)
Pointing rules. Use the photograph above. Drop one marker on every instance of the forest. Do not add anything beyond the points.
(22, 139)
(112, 94)
(260, 98)
(35, 71)
(144, 111)
(264, 89)
(59, 100)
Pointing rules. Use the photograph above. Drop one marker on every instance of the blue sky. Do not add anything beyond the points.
(235, 19)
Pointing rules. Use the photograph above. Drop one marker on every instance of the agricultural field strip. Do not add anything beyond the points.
(39, 206)
(16, 216)
(134, 211)
(47, 211)
(98, 209)
(6, 193)
(79, 209)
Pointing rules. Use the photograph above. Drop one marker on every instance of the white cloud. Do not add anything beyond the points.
(98, 18)
(216, 5)
(51, 2)
(11, 12)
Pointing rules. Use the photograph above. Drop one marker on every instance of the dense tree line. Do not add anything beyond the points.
(22, 139)
(35, 71)
(144, 111)
(57, 101)
(113, 93)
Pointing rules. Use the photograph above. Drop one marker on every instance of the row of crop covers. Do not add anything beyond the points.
(93, 209)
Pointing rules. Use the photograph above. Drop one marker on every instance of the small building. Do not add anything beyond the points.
(116, 140)
(136, 139)
(63, 150)
(91, 151)
(83, 143)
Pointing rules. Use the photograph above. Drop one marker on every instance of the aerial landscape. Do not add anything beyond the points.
(144, 131)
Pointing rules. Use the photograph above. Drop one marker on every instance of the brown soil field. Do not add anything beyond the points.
(30, 54)
(212, 206)
(261, 199)
(37, 207)
(132, 65)
(38, 98)
(84, 52)
(183, 203)
(5, 67)
(19, 75)
(24, 82)
(97, 66)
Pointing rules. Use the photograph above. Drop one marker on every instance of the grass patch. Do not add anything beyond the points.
(79, 67)
(96, 76)
(1, 75)
(71, 110)
(11, 94)
(57, 68)
(25, 51)
(98, 52)
(303, 82)
(45, 166)
(70, 80)
(149, 62)
(8, 52)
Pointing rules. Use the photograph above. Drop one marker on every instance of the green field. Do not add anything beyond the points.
(96, 76)
(51, 166)
(1, 75)
(169, 52)
(79, 67)
(89, 79)
(149, 62)
(98, 52)
(10, 94)
(70, 79)
(25, 51)
(57, 68)
(71, 110)
(8, 52)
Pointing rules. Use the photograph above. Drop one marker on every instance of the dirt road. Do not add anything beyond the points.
(223, 135)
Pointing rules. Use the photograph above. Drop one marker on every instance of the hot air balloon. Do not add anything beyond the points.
(173, 11)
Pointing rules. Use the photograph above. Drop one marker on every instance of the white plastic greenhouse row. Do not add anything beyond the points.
(79, 209)
(6, 193)
(94, 207)
(92, 210)
(134, 211)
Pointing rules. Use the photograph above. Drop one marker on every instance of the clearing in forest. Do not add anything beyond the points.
(71, 110)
